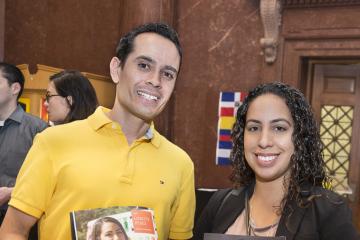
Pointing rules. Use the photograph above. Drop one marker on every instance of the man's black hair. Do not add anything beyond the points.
(13, 75)
(126, 43)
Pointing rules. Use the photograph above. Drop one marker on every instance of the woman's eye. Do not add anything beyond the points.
(252, 128)
(280, 129)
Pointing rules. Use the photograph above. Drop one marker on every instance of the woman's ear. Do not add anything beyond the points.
(70, 100)
(115, 69)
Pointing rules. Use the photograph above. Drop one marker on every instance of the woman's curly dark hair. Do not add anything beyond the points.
(306, 164)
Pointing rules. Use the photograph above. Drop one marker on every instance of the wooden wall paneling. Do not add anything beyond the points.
(318, 3)
(296, 50)
(66, 34)
(323, 32)
(2, 29)
(142, 11)
(221, 53)
(319, 35)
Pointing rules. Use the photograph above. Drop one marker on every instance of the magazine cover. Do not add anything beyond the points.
(216, 236)
(125, 223)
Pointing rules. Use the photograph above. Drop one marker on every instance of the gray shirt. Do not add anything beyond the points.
(16, 137)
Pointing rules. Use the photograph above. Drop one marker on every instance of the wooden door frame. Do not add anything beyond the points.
(354, 165)
(307, 70)
(354, 176)
(298, 52)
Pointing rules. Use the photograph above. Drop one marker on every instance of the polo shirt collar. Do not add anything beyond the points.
(18, 114)
(153, 135)
(99, 119)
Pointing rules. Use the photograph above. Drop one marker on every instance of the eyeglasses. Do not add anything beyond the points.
(48, 96)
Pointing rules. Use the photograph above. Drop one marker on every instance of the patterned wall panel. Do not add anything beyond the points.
(335, 131)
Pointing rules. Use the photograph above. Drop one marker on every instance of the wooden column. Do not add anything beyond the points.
(142, 11)
(2, 29)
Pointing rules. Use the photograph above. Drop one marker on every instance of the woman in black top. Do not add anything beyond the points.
(278, 174)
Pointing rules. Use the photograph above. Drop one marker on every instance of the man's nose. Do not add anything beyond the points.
(154, 80)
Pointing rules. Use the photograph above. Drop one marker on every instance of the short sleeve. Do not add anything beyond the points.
(183, 220)
(35, 183)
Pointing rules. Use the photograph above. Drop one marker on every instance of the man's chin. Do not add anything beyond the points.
(147, 117)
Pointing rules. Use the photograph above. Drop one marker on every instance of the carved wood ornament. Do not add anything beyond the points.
(270, 11)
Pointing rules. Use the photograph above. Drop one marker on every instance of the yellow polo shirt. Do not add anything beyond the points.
(88, 164)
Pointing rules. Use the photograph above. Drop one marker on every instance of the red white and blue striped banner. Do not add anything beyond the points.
(229, 102)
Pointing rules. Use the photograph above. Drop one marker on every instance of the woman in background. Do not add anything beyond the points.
(107, 228)
(278, 175)
(69, 97)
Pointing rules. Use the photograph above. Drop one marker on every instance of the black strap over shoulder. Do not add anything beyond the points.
(229, 192)
(221, 211)
(228, 210)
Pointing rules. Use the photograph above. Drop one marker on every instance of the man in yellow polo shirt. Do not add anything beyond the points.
(115, 157)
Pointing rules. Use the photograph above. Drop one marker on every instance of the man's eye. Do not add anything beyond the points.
(169, 75)
(144, 66)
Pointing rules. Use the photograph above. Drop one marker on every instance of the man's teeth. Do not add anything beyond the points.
(148, 96)
(266, 158)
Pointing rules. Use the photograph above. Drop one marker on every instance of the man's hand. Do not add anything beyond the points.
(5, 193)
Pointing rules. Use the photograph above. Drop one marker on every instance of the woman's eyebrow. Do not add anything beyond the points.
(281, 120)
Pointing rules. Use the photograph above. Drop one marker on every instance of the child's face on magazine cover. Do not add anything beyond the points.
(111, 231)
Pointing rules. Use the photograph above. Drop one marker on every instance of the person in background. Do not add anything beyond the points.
(17, 130)
(115, 157)
(278, 174)
(69, 97)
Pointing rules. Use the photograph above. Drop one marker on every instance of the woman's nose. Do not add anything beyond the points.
(265, 139)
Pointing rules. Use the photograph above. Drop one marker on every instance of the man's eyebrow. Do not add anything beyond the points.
(146, 58)
(149, 59)
(167, 67)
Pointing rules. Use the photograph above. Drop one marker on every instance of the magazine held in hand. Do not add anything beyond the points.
(216, 236)
(135, 223)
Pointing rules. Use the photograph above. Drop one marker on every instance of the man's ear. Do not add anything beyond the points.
(115, 69)
(15, 88)
(70, 100)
